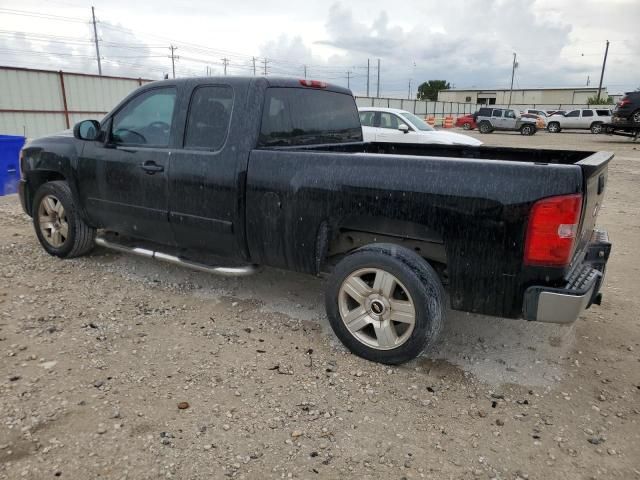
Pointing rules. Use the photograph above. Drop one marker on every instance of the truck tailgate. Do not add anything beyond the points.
(594, 171)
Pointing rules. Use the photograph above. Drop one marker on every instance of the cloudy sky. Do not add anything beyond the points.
(469, 43)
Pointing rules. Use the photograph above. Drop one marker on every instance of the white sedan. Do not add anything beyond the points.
(391, 125)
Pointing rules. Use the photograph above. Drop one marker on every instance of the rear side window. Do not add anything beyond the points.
(497, 113)
(209, 116)
(304, 116)
(573, 113)
(484, 112)
(587, 113)
(603, 113)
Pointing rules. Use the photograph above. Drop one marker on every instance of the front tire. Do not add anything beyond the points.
(596, 128)
(466, 126)
(635, 116)
(385, 303)
(59, 227)
(553, 127)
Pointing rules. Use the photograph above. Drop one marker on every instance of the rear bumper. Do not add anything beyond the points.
(564, 305)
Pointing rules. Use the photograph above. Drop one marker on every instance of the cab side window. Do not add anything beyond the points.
(209, 117)
(146, 119)
(497, 113)
(388, 120)
(587, 113)
(573, 113)
(509, 114)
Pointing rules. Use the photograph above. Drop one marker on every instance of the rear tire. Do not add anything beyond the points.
(635, 116)
(485, 127)
(59, 227)
(554, 127)
(596, 128)
(385, 303)
(528, 130)
(466, 126)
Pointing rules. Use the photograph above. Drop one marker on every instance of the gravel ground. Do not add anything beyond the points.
(121, 368)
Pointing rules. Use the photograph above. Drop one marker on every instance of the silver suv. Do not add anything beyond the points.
(586, 119)
(490, 119)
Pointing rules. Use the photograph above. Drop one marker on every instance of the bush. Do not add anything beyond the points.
(600, 100)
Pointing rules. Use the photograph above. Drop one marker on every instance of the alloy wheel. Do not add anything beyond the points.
(376, 308)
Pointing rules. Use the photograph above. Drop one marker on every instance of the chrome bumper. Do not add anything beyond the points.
(564, 305)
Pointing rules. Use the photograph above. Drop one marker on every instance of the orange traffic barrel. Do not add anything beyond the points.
(448, 122)
(431, 120)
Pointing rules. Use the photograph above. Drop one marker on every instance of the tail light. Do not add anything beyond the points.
(552, 230)
(313, 83)
(623, 101)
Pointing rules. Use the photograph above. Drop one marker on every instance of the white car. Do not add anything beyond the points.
(586, 118)
(391, 125)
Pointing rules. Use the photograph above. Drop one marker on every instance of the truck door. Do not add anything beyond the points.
(203, 189)
(571, 119)
(388, 129)
(124, 183)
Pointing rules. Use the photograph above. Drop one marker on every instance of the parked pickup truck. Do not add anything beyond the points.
(222, 174)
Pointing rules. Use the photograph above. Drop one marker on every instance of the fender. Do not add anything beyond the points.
(52, 158)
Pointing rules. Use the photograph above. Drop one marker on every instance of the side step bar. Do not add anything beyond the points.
(143, 252)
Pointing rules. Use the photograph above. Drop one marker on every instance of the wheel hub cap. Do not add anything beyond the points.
(376, 308)
(52, 221)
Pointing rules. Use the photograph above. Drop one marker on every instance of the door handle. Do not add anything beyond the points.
(151, 167)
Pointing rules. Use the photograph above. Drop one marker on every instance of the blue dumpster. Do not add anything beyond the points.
(10, 146)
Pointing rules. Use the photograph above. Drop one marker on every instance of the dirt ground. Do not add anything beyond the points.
(98, 353)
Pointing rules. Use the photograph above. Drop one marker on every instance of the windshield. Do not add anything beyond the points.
(417, 122)
(305, 116)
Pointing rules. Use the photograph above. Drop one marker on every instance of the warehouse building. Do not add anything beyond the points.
(522, 96)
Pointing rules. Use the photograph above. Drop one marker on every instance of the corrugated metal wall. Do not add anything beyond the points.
(40, 102)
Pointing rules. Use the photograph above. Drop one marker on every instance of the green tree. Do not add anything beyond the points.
(600, 101)
(429, 90)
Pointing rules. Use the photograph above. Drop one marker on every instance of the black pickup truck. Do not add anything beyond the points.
(223, 174)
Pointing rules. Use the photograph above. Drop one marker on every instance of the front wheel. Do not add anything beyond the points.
(385, 303)
(553, 127)
(59, 227)
(635, 116)
(466, 126)
(596, 128)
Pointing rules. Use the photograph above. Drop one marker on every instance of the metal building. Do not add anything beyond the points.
(522, 96)
(40, 102)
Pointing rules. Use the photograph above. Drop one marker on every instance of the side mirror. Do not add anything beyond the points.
(404, 128)
(86, 130)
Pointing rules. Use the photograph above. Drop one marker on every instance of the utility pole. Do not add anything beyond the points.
(305, 71)
(513, 72)
(348, 79)
(604, 63)
(409, 94)
(265, 61)
(378, 87)
(367, 77)
(254, 65)
(95, 37)
(225, 62)
(173, 59)
(588, 80)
